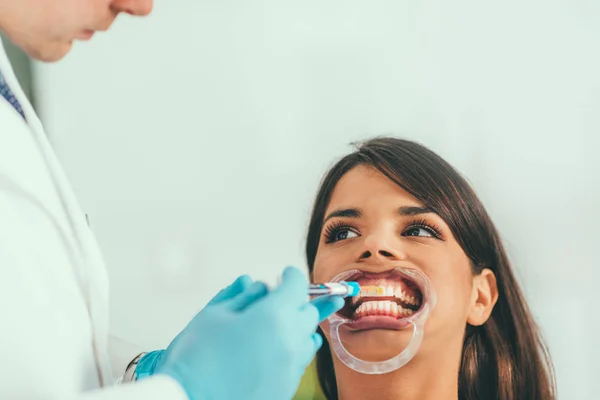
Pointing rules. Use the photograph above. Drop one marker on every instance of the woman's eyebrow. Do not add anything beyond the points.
(346, 212)
(412, 210)
(357, 212)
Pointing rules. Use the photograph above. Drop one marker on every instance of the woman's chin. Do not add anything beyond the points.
(375, 344)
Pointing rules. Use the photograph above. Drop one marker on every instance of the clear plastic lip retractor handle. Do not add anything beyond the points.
(417, 320)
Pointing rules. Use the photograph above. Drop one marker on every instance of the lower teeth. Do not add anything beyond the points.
(388, 308)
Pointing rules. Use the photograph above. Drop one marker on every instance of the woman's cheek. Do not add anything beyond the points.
(324, 268)
(317, 273)
(453, 296)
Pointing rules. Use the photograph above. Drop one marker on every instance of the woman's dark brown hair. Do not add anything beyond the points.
(506, 358)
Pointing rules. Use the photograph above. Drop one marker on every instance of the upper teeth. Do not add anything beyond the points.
(385, 291)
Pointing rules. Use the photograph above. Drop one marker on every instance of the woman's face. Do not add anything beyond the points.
(373, 225)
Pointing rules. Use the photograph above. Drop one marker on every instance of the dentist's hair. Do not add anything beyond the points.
(505, 358)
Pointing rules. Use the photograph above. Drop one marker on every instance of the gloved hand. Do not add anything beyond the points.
(147, 364)
(253, 345)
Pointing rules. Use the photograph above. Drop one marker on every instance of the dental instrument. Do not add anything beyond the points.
(344, 289)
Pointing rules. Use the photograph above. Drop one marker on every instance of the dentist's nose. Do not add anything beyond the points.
(139, 8)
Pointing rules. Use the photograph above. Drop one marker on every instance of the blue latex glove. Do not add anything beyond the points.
(248, 343)
(147, 364)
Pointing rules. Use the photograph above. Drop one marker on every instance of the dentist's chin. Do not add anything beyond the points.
(85, 35)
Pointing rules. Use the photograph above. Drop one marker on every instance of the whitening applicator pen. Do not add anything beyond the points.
(344, 289)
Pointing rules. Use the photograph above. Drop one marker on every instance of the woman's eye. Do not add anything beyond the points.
(417, 231)
(342, 234)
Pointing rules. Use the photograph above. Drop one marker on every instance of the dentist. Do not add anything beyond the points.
(247, 343)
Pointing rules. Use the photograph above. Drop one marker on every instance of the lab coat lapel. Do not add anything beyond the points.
(92, 275)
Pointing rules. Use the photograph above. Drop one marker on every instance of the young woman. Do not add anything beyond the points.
(394, 203)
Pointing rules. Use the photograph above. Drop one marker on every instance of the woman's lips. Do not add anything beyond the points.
(386, 301)
(377, 322)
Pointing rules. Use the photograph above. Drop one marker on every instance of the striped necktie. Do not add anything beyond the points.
(10, 97)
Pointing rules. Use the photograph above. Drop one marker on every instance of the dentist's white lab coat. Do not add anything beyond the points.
(53, 283)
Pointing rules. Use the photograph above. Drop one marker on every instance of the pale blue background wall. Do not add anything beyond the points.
(196, 140)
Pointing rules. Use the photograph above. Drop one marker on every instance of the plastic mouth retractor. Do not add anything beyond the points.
(417, 321)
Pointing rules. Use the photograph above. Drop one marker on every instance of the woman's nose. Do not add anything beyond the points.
(140, 8)
(377, 249)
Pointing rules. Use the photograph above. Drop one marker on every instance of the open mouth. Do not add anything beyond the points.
(391, 296)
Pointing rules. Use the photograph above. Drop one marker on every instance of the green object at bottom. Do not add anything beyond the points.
(309, 388)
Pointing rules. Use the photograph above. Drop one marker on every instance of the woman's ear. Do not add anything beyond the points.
(483, 298)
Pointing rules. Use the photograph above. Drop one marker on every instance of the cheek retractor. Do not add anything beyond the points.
(412, 319)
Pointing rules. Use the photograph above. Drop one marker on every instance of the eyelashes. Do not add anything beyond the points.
(433, 229)
(340, 230)
(336, 231)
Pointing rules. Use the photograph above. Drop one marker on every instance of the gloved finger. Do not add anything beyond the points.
(310, 348)
(293, 289)
(307, 320)
(255, 292)
(242, 283)
(317, 341)
(327, 305)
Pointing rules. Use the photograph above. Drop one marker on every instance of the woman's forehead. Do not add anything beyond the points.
(365, 186)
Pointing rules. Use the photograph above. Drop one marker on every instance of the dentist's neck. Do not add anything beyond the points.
(418, 380)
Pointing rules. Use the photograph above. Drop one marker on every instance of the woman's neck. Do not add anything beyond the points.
(415, 381)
